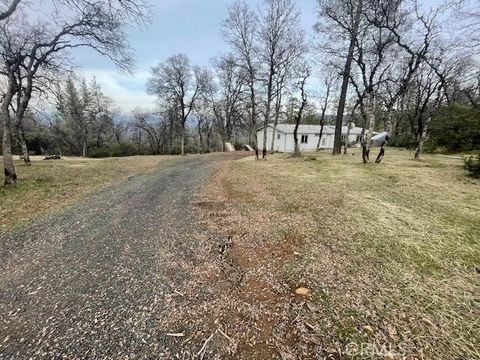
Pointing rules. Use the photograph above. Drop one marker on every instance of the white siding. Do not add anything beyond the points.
(310, 145)
(279, 143)
(284, 142)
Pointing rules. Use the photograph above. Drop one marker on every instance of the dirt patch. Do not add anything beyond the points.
(210, 205)
(239, 291)
(269, 320)
(367, 252)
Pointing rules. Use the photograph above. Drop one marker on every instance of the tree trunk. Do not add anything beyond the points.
(21, 108)
(272, 145)
(264, 150)
(278, 106)
(200, 138)
(296, 149)
(182, 146)
(265, 125)
(381, 153)
(370, 112)
(267, 109)
(253, 120)
(171, 136)
(8, 165)
(388, 129)
(320, 134)
(298, 118)
(23, 144)
(224, 143)
(208, 141)
(337, 145)
(84, 147)
(139, 142)
(347, 138)
(254, 139)
(423, 139)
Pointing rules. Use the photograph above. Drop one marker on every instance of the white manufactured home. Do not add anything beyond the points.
(308, 136)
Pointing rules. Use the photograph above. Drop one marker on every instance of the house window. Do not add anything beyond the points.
(278, 136)
(323, 141)
(304, 139)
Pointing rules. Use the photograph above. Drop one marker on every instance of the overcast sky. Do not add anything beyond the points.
(187, 26)
(178, 26)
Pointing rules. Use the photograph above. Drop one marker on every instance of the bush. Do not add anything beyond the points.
(404, 140)
(430, 146)
(123, 149)
(176, 150)
(457, 128)
(99, 153)
(472, 165)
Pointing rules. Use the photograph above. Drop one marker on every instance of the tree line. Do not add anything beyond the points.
(388, 66)
(35, 40)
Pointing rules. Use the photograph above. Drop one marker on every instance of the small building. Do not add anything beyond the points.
(308, 136)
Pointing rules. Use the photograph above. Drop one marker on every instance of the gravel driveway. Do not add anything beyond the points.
(91, 282)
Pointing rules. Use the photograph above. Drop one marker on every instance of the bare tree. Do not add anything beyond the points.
(240, 30)
(206, 124)
(30, 47)
(303, 73)
(428, 98)
(467, 20)
(413, 34)
(8, 9)
(343, 21)
(328, 83)
(373, 47)
(227, 99)
(153, 126)
(284, 75)
(177, 81)
(43, 83)
(279, 32)
(84, 116)
(119, 130)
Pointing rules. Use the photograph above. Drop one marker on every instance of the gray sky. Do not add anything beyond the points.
(188, 26)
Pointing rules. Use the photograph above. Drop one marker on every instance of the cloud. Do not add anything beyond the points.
(127, 91)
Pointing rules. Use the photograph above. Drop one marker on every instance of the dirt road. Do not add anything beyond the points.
(92, 282)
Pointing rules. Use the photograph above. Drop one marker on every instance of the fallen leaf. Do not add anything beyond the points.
(392, 332)
(428, 321)
(302, 291)
(176, 334)
(368, 328)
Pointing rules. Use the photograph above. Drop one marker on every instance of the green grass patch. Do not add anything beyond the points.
(46, 186)
(392, 246)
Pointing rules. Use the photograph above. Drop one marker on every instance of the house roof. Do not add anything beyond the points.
(314, 129)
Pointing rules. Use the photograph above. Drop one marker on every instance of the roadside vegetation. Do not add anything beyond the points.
(389, 255)
(47, 186)
(406, 70)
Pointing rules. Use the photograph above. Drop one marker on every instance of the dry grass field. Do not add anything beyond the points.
(390, 255)
(46, 186)
(387, 256)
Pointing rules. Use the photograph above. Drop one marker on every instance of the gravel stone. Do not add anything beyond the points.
(91, 282)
